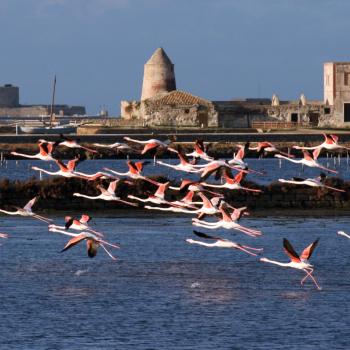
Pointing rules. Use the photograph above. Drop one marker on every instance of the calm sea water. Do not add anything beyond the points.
(163, 293)
(272, 167)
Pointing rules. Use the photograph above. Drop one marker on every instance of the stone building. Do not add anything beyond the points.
(10, 106)
(337, 92)
(162, 105)
(9, 96)
(159, 75)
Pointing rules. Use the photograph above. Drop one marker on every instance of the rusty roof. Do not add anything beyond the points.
(177, 97)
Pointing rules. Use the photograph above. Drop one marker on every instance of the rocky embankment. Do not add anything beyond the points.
(57, 194)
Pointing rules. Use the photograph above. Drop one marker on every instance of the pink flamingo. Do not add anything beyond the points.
(222, 243)
(106, 195)
(184, 165)
(27, 211)
(268, 147)
(308, 160)
(314, 182)
(92, 242)
(45, 150)
(330, 143)
(157, 198)
(232, 183)
(70, 143)
(300, 262)
(153, 144)
(135, 170)
(227, 222)
(200, 151)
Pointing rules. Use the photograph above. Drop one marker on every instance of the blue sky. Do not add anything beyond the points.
(222, 49)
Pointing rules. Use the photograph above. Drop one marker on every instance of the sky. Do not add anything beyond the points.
(222, 49)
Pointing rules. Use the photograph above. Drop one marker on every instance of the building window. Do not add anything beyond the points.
(187, 111)
(346, 78)
(294, 117)
(327, 110)
(346, 112)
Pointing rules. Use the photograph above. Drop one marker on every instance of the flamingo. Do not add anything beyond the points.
(68, 170)
(153, 144)
(189, 185)
(184, 165)
(330, 143)
(232, 183)
(107, 195)
(45, 150)
(200, 151)
(268, 147)
(300, 262)
(4, 235)
(313, 182)
(227, 222)
(134, 172)
(308, 160)
(238, 158)
(92, 242)
(179, 206)
(70, 143)
(27, 211)
(119, 146)
(221, 243)
(77, 224)
(157, 198)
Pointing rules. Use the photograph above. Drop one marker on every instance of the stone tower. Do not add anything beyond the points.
(158, 75)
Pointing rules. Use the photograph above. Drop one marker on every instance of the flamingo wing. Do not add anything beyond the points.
(71, 165)
(149, 147)
(307, 252)
(43, 149)
(112, 186)
(28, 206)
(316, 153)
(204, 235)
(290, 251)
(69, 222)
(62, 166)
(74, 241)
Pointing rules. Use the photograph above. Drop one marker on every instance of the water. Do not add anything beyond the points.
(21, 170)
(163, 293)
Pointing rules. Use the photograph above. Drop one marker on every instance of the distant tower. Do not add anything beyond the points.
(158, 75)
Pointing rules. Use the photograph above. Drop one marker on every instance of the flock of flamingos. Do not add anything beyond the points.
(199, 197)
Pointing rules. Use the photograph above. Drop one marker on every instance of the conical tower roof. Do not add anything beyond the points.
(159, 57)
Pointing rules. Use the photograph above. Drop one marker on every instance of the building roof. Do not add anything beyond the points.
(159, 57)
(176, 97)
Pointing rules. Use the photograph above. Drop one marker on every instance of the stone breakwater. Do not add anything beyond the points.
(57, 194)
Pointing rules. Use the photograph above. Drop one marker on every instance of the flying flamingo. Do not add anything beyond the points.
(119, 146)
(157, 198)
(134, 172)
(184, 165)
(315, 182)
(232, 183)
(268, 147)
(68, 170)
(77, 224)
(308, 160)
(226, 222)
(200, 151)
(92, 242)
(238, 159)
(297, 262)
(70, 143)
(153, 144)
(45, 151)
(27, 211)
(189, 185)
(107, 195)
(330, 143)
(222, 243)
(179, 206)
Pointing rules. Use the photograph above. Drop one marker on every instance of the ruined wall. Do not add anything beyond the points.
(180, 116)
(130, 110)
